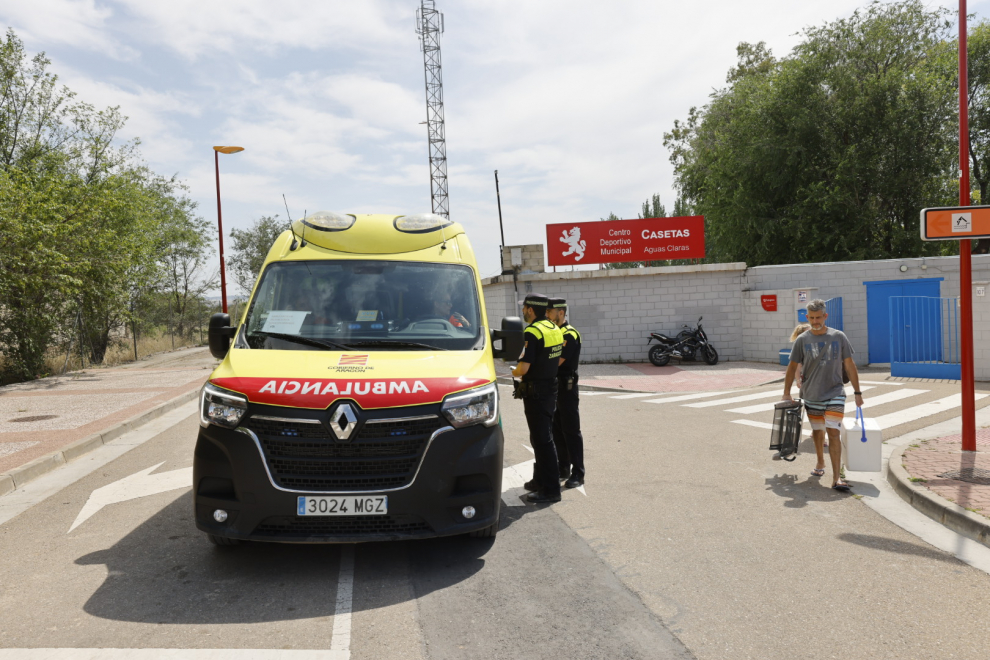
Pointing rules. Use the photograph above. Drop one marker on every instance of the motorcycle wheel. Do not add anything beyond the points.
(657, 356)
(711, 355)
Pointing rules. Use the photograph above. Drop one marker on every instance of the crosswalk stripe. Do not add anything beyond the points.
(685, 397)
(637, 395)
(734, 399)
(592, 392)
(761, 407)
(924, 410)
(878, 382)
(763, 425)
(889, 397)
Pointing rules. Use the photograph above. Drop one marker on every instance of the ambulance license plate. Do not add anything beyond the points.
(349, 505)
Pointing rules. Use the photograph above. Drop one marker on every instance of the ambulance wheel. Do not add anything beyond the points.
(658, 357)
(711, 355)
(222, 540)
(486, 532)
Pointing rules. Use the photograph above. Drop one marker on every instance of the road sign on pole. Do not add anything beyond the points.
(954, 223)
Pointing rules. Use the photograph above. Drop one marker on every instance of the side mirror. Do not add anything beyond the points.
(219, 335)
(511, 337)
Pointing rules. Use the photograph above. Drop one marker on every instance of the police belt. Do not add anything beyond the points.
(526, 389)
(567, 381)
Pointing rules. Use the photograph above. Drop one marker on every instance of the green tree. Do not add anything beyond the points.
(829, 153)
(250, 248)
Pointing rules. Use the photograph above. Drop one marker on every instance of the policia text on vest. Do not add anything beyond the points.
(538, 370)
(567, 438)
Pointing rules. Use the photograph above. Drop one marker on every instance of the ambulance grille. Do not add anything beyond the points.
(286, 527)
(307, 457)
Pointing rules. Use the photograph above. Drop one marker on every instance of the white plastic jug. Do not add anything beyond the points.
(862, 443)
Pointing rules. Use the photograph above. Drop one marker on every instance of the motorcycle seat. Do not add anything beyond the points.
(661, 337)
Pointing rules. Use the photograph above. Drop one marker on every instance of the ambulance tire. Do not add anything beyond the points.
(486, 532)
(222, 541)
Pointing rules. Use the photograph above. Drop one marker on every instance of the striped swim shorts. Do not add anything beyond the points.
(826, 414)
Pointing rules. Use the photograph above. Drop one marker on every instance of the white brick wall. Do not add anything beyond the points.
(617, 309)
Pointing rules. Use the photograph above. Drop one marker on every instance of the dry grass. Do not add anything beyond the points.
(120, 352)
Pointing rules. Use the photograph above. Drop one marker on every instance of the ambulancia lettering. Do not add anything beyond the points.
(360, 387)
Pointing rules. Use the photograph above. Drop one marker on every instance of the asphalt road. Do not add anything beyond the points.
(689, 543)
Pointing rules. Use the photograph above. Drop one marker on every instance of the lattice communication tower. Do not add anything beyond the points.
(429, 27)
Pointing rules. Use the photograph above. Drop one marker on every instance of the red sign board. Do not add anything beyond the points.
(769, 303)
(616, 241)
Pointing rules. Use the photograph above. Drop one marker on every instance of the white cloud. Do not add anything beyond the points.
(77, 23)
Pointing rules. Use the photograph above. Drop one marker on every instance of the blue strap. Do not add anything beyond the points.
(862, 422)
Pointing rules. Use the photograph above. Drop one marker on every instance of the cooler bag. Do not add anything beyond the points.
(862, 443)
(786, 432)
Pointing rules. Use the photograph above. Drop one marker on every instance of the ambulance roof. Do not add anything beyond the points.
(375, 234)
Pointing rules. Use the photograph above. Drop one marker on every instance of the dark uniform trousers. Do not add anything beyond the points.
(539, 408)
(567, 437)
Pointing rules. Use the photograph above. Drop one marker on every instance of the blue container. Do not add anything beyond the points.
(785, 356)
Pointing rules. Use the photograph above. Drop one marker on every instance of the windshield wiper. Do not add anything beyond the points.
(319, 343)
(395, 344)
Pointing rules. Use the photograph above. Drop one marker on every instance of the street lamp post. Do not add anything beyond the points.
(223, 277)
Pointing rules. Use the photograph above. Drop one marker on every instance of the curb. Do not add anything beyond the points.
(951, 515)
(17, 477)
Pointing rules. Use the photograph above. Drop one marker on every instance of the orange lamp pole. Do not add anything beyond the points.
(223, 276)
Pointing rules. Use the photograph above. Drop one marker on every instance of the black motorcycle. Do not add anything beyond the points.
(687, 346)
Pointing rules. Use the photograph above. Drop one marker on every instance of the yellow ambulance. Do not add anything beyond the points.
(356, 399)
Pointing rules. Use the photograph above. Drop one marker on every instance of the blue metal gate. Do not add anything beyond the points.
(833, 307)
(924, 337)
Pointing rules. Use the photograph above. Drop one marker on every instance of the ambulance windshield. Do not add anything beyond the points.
(380, 305)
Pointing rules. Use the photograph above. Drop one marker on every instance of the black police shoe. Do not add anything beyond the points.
(574, 482)
(539, 497)
(531, 485)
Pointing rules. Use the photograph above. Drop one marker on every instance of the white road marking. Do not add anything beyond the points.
(513, 478)
(745, 397)
(637, 395)
(15, 503)
(850, 404)
(878, 382)
(340, 641)
(592, 392)
(763, 425)
(139, 484)
(924, 410)
(686, 397)
(162, 654)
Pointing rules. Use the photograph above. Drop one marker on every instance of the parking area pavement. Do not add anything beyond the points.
(43, 417)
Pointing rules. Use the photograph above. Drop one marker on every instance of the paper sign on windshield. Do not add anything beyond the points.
(285, 322)
(367, 315)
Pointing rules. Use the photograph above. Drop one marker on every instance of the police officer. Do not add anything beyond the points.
(538, 370)
(566, 418)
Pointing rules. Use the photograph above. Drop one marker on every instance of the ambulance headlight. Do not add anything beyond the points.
(477, 406)
(221, 407)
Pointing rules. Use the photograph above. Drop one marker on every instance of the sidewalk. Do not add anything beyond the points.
(44, 423)
(689, 377)
(946, 483)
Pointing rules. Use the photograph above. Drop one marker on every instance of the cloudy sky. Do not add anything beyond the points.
(567, 100)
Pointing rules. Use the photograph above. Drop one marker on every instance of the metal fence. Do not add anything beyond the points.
(924, 337)
(833, 307)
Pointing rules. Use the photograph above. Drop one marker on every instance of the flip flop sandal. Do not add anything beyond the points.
(818, 473)
(841, 486)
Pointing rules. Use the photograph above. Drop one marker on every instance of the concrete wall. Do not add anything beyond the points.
(617, 309)
(532, 258)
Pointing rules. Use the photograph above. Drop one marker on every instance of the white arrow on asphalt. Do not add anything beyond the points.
(513, 478)
(139, 484)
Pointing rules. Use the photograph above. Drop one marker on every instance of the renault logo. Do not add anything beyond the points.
(343, 421)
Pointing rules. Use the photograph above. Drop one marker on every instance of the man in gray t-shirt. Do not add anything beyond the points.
(821, 352)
